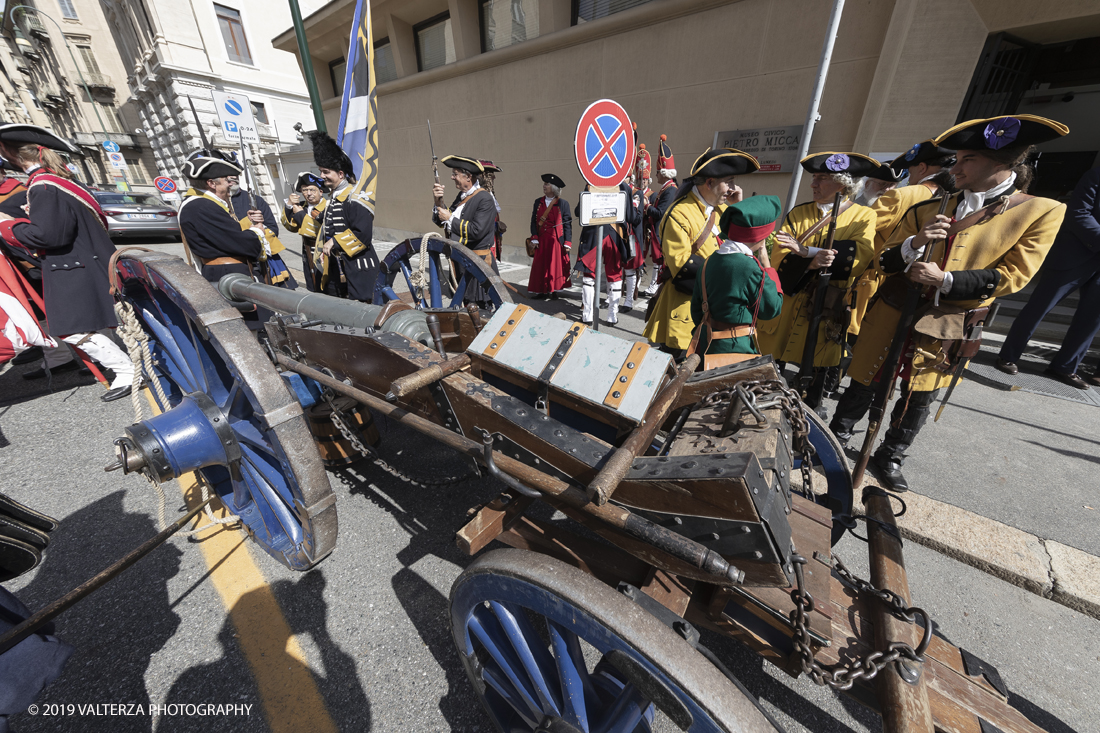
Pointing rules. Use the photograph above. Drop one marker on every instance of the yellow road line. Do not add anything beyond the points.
(289, 695)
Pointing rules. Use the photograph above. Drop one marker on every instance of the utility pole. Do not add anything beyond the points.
(307, 66)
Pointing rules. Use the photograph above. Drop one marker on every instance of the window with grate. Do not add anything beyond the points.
(67, 9)
(236, 45)
(109, 114)
(259, 111)
(90, 64)
(586, 10)
(384, 67)
(337, 70)
(435, 45)
(504, 22)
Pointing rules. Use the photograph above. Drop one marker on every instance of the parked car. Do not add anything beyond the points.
(131, 214)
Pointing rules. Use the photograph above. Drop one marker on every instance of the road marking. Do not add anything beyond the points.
(288, 693)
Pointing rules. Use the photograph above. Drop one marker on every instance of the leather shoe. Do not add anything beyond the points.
(844, 438)
(1072, 380)
(29, 356)
(888, 471)
(1007, 367)
(40, 373)
(117, 393)
(1094, 380)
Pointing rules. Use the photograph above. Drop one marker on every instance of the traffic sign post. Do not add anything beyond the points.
(235, 115)
(117, 161)
(604, 146)
(111, 147)
(164, 184)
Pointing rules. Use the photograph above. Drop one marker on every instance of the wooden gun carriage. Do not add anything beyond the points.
(708, 500)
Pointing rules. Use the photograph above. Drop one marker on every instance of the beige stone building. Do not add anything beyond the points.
(61, 71)
(508, 80)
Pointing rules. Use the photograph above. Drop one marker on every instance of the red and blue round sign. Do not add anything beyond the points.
(165, 184)
(605, 144)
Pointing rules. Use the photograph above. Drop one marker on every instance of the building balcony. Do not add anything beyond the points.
(96, 139)
(97, 80)
(35, 27)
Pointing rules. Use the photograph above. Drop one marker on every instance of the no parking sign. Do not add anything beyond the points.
(164, 184)
(605, 144)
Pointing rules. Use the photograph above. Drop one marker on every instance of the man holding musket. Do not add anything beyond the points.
(929, 176)
(689, 234)
(302, 214)
(347, 224)
(989, 242)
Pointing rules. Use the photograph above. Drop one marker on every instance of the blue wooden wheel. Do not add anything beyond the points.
(829, 456)
(438, 293)
(550, 648)
(215, 373)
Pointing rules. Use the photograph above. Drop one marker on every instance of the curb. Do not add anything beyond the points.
(1046, 568)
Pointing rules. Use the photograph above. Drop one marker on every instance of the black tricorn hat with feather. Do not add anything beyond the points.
(327, 154)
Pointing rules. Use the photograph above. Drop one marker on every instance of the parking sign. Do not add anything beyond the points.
(235, 115)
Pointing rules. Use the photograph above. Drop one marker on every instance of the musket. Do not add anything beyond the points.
(806, 367)
(974, 335)
(887, 374)
(202, 135)
(435, 169)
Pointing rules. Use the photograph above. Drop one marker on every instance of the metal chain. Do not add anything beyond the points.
(766, 391)
(845, 674)
(341, 421)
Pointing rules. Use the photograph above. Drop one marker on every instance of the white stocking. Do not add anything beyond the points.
(630, 281)
(614, 293)
(588, 294)
(104, 350)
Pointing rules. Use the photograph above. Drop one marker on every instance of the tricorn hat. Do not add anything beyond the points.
(665, 161)
(472, 166)
(490, 166)
(884, 172)
(853, 164)
(1001, 132)
(723, 162)
(921, 153)
(751, 220)
(309, 178)
(17, 133)
(204, 164)
(327, 154)
(553, 180)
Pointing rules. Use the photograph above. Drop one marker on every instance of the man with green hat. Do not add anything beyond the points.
(737, 285)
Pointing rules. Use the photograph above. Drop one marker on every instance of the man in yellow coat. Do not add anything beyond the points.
(803, 254)
(990, 244)
(929, 175)
(689, 234)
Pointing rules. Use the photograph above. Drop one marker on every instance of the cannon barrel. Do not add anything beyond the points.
(325, 308)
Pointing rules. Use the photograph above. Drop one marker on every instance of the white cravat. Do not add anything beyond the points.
(456, 216)
(729, 247)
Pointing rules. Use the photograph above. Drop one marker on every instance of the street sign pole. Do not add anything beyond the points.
(599, 280)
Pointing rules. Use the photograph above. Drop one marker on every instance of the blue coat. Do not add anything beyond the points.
(1078, 242)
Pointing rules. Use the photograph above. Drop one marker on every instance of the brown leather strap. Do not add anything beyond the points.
(988, 212)
(223, 261)
(727, 331)
(705, 233)
(822, 222)
(545, 214)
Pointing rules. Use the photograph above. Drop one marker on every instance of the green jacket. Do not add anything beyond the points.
(733, 284)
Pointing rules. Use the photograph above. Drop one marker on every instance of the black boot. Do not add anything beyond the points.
(850, 409)
(909, 416)
(816, 391)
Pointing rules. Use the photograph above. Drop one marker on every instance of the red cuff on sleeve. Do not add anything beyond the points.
(6, 227)
(771, 273)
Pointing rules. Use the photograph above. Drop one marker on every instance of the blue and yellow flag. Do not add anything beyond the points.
(358, 134)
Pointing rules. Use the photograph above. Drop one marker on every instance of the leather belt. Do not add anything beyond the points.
(223, 261)
(728, 331)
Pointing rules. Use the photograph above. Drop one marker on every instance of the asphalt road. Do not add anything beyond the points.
(368, 629)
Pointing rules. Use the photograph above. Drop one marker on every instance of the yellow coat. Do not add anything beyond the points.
(670, 323)
(889, 208)
(785, 337)
(1013, 243)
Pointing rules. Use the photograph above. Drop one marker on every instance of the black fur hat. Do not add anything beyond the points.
(327, 154)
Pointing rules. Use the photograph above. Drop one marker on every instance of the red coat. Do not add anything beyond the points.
(550, 268)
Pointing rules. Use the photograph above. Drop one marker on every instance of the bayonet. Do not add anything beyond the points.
(806, 367)
(435, 169)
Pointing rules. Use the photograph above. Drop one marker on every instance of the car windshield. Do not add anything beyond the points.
(137, 199)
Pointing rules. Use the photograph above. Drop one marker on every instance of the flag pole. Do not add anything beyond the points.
(307, 66)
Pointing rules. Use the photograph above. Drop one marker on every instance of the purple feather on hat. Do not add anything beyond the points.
(1001, 132)
(837, 163)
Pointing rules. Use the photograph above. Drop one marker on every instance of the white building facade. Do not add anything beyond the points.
(178, 53)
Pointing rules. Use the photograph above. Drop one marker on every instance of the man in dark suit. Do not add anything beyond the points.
(1072, 264)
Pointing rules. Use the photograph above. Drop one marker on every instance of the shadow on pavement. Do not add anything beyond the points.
(117, 629)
